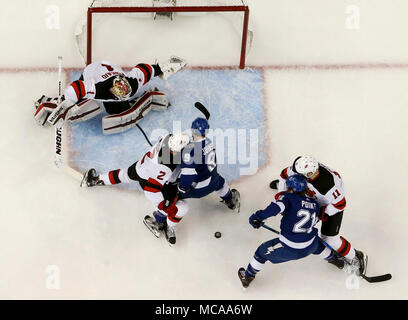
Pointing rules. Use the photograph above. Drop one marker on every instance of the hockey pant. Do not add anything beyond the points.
(277, 252)
(330, 233)
(217, 184)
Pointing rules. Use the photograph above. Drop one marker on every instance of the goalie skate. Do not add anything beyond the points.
(152, 225)
(91, 179)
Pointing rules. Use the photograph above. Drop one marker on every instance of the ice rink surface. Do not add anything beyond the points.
(327, 90)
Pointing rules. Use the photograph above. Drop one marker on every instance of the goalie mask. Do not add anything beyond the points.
(121, 88)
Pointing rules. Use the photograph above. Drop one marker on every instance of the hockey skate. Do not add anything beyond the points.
(91, 179)
(244, 280)
(170, 235)
(154, 227)
(339, 263)
(274, 184)
(235, 202)
(360, 260)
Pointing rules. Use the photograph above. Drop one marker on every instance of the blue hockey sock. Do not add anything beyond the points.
(159, 217)
(253, 268)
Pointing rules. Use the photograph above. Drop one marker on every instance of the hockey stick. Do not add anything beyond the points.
(380, 278)
(58, 127)
(144, 134)
(203, 109)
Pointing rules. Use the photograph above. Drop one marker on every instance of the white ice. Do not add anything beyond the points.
(342, 97)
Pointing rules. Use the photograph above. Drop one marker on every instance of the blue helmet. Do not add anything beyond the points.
(200, 126)
(297, 183)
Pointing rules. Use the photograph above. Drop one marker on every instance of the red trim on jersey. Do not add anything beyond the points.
(153, 181)
(279, 194)
(114, 177)
(153, 186)
(341, 204)
(144, 73)
(150, 189)
(79, 88)
(284, 174)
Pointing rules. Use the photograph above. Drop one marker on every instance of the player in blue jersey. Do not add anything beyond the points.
(199, 176)
(298, 237)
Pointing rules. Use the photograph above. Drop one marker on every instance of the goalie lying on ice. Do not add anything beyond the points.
(120, 92)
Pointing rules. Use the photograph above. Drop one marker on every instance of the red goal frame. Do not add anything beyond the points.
(243, 8)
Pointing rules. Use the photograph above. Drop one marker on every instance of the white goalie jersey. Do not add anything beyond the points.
(97, 80)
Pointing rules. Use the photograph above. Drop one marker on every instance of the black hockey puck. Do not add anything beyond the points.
(217, 234)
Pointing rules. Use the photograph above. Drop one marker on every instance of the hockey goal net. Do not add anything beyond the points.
(166, 15)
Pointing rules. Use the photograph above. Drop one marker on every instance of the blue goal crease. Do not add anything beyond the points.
(233, 97)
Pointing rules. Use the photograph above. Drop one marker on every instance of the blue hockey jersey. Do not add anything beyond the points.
(198, 165)
(299, 215)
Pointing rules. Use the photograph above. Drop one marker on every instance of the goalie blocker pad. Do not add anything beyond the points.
(151, 100)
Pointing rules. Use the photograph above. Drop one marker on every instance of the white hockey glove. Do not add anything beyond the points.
(174, 65)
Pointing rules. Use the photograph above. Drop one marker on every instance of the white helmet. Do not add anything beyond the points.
(177, 141)
(306, 165)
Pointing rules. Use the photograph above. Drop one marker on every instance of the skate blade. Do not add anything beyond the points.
(84, 178)
(155, 232)
(238, 207)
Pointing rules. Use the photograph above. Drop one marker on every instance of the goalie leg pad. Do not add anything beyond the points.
(151, 100)
(83, 111)
(159, 101)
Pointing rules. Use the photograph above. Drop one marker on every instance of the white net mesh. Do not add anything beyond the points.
(180, 22)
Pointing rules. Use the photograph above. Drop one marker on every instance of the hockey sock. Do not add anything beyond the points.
(159, 217)
(253, 268)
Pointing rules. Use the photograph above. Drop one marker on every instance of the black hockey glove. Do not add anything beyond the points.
(255, 221)
(170, 193)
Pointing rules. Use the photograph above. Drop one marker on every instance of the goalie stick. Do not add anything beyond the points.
(373, 279)
(58, 127)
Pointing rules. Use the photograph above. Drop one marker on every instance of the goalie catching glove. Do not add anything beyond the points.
(174, 65)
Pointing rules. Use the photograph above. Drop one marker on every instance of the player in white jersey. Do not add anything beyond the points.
(121, 93)
(156, 172)
(327, 187)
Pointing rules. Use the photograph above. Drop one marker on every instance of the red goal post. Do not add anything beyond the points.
(171, 9)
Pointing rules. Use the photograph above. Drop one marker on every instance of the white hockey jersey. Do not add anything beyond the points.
(327, 187)
(151, 167)
(97, 79)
